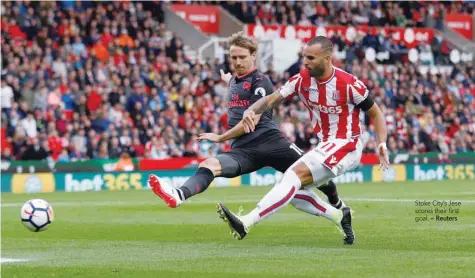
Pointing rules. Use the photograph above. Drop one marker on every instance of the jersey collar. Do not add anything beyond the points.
(327, 79)
(246, 74)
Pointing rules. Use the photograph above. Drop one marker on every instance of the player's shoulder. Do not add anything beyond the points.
(345, 76)
(260, 77)
(300, 75)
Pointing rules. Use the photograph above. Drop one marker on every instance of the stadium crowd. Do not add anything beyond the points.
(355, 13)
(96, 80)
(323, 13)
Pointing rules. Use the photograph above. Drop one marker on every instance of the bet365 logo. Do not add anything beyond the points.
(326, 109)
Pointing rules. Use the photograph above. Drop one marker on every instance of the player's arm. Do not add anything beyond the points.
(259, 107)
(266, 103)
(361, 98)
(237, 131)
(270, 101)
(377, 115)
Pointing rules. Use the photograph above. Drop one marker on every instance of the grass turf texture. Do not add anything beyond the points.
(132, 234)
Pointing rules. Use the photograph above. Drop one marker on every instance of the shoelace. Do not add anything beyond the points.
(241, 210)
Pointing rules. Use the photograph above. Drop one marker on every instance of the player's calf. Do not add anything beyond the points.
(280, 195)
(198, 183)
(201, 180)
(329, 189)
(308, 201)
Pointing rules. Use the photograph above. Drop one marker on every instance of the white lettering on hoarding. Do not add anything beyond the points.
(350, 177)
(75, 185)
(428, 175)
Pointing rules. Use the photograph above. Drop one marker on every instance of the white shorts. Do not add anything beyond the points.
(333, 158)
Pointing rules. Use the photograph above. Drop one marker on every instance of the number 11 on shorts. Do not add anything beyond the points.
(327, 147)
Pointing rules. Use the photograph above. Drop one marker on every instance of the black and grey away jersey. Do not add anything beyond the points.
(243, 92)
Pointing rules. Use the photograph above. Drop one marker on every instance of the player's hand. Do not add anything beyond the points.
(226, 77)
(213, 137)
(248, 121)
(383, 156)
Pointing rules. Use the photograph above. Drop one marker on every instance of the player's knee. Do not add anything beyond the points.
(212, 164)
(304, 174)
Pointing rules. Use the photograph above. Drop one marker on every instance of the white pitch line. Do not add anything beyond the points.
(128, 203)
(10, 260)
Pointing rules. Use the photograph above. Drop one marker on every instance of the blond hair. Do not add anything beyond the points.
(241, 40)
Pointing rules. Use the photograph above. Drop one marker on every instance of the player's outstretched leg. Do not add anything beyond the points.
(308, 201)
(281, 195)
(277, 198)
(198, 183)
(329, 189)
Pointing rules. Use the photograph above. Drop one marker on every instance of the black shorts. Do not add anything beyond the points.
(277, 153)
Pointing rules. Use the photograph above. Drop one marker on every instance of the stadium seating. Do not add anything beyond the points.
(94, 80)
(370, 13)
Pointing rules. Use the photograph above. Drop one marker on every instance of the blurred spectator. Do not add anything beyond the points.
(64, 156)
(29, 125)
(125, 163)
(354, 13)
(6, 97)
(100, 79)
(7, 155)
(35, 151)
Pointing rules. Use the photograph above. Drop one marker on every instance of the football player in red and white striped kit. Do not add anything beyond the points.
(335, 100)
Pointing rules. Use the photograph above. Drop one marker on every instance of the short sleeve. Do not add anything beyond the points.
(261, 87)
(290, 88)
(357, 91)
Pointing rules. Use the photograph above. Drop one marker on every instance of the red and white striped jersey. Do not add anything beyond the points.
(332, 103)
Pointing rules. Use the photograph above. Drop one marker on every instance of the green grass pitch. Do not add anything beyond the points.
(132, 234)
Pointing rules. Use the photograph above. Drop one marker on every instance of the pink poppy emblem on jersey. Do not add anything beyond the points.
(336, 96)
(246, 86)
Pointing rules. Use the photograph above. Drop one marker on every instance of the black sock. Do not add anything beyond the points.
(196, 184)
(329, 190)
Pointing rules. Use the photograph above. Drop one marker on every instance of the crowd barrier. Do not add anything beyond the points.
(110, 165)
(137, 180)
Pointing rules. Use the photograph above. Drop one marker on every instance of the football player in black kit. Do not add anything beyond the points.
(250, 151)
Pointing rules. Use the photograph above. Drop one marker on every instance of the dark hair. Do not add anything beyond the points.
(325, 43)
(241, 40)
